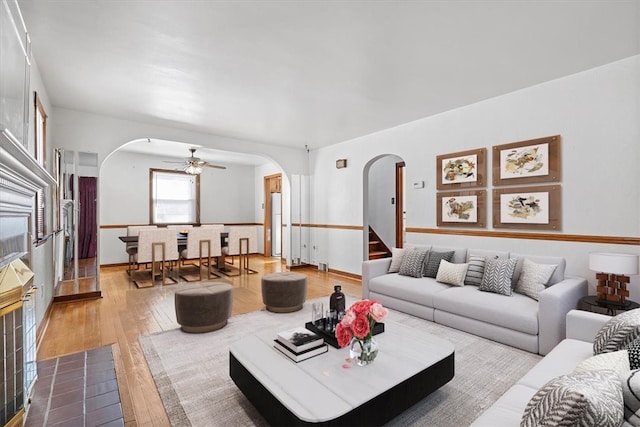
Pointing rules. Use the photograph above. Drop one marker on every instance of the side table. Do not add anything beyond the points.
(612, 308)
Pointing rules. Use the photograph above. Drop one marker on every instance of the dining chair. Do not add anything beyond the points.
(242, 241)
(179, 228)
(132, 248)
(203, 244)
(158, 247)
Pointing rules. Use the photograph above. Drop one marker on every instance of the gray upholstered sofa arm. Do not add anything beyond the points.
(584, 325)
(554, 304)
(371, 269)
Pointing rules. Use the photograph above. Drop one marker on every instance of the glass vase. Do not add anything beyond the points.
(364, 351)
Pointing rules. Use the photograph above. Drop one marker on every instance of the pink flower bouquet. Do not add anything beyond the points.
(359, 320)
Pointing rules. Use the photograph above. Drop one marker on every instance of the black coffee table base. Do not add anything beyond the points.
(377, 411)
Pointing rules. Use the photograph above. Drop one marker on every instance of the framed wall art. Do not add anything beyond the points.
(462, 169)
(526, 162)
(532, 208)
(462, 209)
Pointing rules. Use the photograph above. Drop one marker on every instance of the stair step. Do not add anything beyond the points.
(379, 254)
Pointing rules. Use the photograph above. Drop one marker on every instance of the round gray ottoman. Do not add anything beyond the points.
(203, 307)
(284, 292)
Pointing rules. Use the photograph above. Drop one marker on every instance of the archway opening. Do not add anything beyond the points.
(383, 208)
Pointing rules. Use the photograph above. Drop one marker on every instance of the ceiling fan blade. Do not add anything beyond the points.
(214, 166)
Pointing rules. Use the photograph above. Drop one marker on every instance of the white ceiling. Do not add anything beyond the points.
(312, 73)
(179, 151)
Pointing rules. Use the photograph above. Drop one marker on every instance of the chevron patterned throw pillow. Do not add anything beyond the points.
(497, 275)
(413, 262)
(618, 332)
(580, 399)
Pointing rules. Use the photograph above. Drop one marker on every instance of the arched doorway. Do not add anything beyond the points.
(383, 205)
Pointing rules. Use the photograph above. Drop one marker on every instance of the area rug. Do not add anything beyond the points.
(191, 372)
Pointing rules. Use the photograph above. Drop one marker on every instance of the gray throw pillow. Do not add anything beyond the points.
(413, 262)
(618, 332)
(475, 271)
(497, 275)
(433, 262)
(580, 399)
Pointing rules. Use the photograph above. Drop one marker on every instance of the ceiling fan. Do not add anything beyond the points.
(193, 165)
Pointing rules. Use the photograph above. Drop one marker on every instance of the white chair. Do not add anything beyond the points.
(203, 243)
(132, 248)
(178, 228)
(242, 241)
(157, 247)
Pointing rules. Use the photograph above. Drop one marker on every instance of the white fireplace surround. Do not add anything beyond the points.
(21, 176)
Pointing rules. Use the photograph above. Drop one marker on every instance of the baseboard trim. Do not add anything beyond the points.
(345, 274)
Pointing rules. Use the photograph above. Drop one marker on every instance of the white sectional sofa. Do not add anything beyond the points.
(582, 327)
(516, 320)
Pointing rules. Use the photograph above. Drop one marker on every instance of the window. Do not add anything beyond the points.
(40, 134)
(174, 197)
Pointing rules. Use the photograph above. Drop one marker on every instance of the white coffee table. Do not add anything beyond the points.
(410, 365)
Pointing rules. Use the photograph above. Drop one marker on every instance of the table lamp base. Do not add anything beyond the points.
(612, 287)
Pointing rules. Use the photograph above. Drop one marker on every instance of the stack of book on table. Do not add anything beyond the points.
(299, 344)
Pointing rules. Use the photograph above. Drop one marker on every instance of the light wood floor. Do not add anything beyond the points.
(125, 313)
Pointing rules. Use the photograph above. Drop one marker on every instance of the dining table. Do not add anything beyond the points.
(132, 241)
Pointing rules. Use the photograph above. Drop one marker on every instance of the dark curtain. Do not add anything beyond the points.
(87, 223)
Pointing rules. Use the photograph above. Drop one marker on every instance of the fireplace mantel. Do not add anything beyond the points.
(17, 166)
(21, 176)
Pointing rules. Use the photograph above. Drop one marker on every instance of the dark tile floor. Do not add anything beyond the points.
(77, 390)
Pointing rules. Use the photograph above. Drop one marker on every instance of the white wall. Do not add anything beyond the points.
(42, 259)
(596, 112)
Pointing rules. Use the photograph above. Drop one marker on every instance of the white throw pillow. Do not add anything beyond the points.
(451, 274)
(617, 361)
(396, 259)
(534, 278)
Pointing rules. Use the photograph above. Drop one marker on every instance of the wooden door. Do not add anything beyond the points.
(272, 184)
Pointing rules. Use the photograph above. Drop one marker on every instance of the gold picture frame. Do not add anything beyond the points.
(527, 162)
(462, 169)
(531, 208)
(462, 209)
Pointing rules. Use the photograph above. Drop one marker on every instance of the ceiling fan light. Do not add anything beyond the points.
(193, 169)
